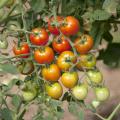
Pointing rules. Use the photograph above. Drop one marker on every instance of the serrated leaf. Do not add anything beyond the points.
(73, 108)
(9, 68)
(81, 115)
(111, 6)
(38, 5)
(6, 114)
(16, 100)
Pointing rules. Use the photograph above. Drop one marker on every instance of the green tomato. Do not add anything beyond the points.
(3, 44)
(95, 103)
(13, 25)
(102, 93)
(95, 76)
(3, 3)
(80, 92)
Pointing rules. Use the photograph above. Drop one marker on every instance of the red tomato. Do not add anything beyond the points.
(44, 56)
(83, 44)
(39, 36)
(23, 49)
(70, 26)
(52, 28)
(65, 60)
(61, 44)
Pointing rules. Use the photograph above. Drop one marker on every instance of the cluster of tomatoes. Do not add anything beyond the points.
(61, 59)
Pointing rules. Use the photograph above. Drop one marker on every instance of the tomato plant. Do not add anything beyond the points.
(56, 46)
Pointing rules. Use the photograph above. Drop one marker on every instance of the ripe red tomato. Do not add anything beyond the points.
(39, 36)
(65, 60)
(54, 90)
(23, 49)
(69, 79)
(51, 73)
(44, 56)
(70, 26)
(52, 28)
(83, 44)
(61, 44)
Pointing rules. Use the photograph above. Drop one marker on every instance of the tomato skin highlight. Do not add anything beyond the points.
(70, 26)
(84, 44)
(23, 49)
(53, 29)
(54, 90)
(44, 56)
(61, 44)
(52, 73)
(69, 79)
(39, 36)
(65, 59)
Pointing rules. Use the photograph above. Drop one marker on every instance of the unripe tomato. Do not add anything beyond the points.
(54, 90)
(52, 28)
(61, 44)
(44, 56)
(95, 76)
(102, 93)
(95, 103)
(83, 44)
(3, 3)
(51, 73)
(29, 91)
(26, 67)
(87, 60)
(39, 36)
(80, 92)
(70, 26)
(69, 79)
(22, 49)
(3, 44)
(65, 59)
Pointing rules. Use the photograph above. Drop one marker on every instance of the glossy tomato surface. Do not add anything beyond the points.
(84, 44)
(44, 56)
(39, 36)
(70, 26)
(51, 73)
(61, 44)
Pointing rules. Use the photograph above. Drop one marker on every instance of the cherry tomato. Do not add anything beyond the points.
(51, 73)
(26, 67)
(54, 90)
(69, 79)
(44, 56)
(39, 36)
(65, 59)
(95, 76)
(29, 91)
(83, 44)
(61, 44)
(70, 26)
(80, 92)
(87, 60)
(3, 44)
(23, 49)
(52, 28)
(102, 93)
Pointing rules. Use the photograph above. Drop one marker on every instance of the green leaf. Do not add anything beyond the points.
(16, 100)
(9, 68)
(38, 5)
(81, 115)
(111, 6)
(114, 50)
(6, 114)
